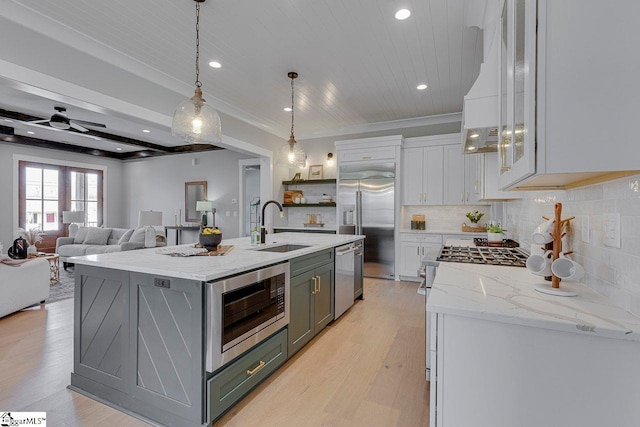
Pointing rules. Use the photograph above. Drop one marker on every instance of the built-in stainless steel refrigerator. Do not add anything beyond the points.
(366, 200)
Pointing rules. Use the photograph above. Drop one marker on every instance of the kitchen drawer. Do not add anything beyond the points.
(230, 385)
(369, 154)
(420, 238)
(307, 262)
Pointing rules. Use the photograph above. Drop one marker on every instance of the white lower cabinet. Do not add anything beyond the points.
(413, 249)
(487, 373)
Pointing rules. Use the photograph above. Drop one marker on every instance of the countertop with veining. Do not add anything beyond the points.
(507, 294)
(243, 257)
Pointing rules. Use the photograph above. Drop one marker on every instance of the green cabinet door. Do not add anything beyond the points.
(301, 324)
(324, 298)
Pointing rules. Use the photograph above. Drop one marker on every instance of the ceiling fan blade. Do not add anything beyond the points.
(78, 127)
(92, 124)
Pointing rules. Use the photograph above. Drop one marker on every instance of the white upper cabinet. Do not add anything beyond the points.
(569, 92)
(435, 172)
(422, 176)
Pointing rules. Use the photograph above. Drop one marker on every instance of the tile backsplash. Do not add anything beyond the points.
(443, 217)
(611, 271)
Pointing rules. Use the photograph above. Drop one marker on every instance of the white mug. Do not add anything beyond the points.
(540, 264)
(567, 269)
(542, 234)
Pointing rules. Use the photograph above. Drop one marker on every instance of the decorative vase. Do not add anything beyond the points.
(210, 241)
(31, 250)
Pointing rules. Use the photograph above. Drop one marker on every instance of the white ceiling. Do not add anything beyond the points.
(358, 65)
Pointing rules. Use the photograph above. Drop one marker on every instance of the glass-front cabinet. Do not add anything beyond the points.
(517, 91)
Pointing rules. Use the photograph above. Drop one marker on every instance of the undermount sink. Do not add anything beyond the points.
(283, 248)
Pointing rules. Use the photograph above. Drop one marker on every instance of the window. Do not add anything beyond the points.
(47, 190)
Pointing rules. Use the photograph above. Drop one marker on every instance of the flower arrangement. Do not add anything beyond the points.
(474, 216)
(32, 236)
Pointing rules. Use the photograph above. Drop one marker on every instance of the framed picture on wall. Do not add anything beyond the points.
(316, 172)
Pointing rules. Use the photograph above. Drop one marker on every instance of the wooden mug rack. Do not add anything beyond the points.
(557, 235)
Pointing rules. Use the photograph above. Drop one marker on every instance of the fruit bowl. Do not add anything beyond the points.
(210, 239)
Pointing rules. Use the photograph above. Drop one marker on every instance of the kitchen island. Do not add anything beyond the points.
(503, 354)
(142, 325)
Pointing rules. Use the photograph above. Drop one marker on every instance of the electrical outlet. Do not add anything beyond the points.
(612, 230)
(227, 213)
(235, 213)
(584, 228)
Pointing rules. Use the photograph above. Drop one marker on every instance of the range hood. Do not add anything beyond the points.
(480, 108)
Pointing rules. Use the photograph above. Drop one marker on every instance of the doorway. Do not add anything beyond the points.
(249, 196)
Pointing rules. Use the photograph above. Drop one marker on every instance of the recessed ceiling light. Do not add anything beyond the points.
(215, 64)
(403, 14)
(118, 148)
(287, 109)
(7, 120)
(146, 131)
(30, 132)
(421, 86)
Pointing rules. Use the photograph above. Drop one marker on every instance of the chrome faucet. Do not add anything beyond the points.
(263, 230)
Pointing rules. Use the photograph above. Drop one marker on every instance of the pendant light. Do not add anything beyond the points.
(194, 120)
(290, 154)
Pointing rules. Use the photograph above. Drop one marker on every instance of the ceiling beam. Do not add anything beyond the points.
(62, 146)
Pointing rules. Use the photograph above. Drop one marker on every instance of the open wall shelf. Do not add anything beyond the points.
(311, 181)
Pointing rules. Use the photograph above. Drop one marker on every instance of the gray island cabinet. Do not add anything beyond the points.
(140, 329)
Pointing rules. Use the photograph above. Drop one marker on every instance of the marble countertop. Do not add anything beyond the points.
(243, 257)
(330, 228)
(506, 294)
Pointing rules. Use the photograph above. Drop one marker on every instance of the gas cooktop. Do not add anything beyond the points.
(506, 243)
(513, 257)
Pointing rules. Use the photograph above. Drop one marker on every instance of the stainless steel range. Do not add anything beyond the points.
(513, 257)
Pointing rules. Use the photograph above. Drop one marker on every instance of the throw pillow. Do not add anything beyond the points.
(97, 236)
(80, 235)
(126, 236)
(138, 235)
(149, 237)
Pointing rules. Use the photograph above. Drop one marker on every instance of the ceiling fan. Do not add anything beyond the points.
(59, 120)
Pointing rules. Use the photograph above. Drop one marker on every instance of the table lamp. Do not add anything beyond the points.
(152, 218)
(204, 206)
(72, 218)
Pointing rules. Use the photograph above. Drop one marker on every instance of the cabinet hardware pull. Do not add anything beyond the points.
(358, 253)
(418, 250)
(467, 196)
(423, 250)
(319, 283)
(366, 157)
(462, 196)
(315, 285)
(256, 369)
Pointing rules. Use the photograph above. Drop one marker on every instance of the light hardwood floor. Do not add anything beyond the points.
(365, 369)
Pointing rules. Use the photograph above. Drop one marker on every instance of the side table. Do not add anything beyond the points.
(54, 266)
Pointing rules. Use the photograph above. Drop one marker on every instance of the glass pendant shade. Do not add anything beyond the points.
(197, 122)
(291, 155)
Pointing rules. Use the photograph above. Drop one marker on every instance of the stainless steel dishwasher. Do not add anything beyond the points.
(345, 277)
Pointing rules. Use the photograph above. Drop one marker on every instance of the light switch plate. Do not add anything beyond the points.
(584, 228)
(612, 230)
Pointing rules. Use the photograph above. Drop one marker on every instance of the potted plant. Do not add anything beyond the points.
(495, 233)
(475, 217)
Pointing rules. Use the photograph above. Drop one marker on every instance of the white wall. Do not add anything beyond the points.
(610, 271)
(158, 184)
(113, 197)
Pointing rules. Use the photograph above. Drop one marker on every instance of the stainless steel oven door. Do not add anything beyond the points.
(218, 353)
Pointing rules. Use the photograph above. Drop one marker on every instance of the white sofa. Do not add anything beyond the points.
(24, 285)
(99, 240)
